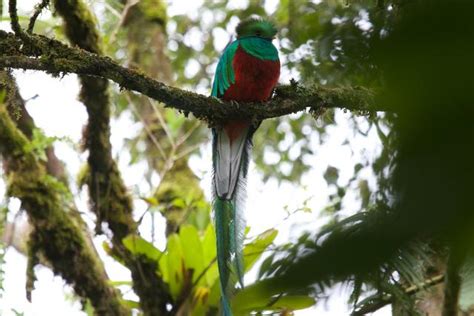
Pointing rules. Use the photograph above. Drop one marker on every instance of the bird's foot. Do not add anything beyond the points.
(235, 104)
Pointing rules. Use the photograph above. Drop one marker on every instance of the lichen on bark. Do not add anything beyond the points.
(109, 198)
(57, 58)
(58, 238)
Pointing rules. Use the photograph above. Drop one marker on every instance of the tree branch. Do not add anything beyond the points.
(59, 238)
(56, 58)
(14, 17)
(38, 8)
(108, 195)
(388, 299)
(53, 166)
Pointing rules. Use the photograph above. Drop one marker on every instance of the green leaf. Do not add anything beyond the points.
(108, 250)
(152, 201)
(258, 294)
(40, 142)
(253, 251)
(3, 94)
(163, 267)
(139, 246)
(215, 294)
(199, 216)
(174, 120)
(209, 255)
(88, 309)
(265, 266)
(119, 283)
(331, 175)
(131, 304)
(289, 302)
(292, 302)
(175, 264)
(358, 167)
(179, 203)
(193, 250)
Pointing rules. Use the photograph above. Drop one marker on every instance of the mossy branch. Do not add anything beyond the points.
(14, 17)
(108, 194)
(377, 304)
(57, 58)
(60, 239)
(38, 8)
(53, 167)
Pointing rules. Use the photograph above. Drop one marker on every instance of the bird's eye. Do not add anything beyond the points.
(258, 33)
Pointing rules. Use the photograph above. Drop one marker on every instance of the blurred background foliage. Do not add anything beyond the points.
(397, 227)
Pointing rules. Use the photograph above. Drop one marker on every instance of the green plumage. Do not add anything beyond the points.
(224, 211)
(256, 27)
(225, 75)
(230, 226)
(259, 47)
(231, 150)
(256, 46)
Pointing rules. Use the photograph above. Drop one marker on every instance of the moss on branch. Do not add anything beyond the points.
(108, 194)
(107, 191)
(57, 58)
(60, 239)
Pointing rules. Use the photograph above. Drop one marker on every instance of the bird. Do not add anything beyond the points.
(248, 71)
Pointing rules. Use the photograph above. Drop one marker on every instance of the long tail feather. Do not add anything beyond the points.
(224, 213)
(230, 160)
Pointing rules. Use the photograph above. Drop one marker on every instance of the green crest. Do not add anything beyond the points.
(256, 27)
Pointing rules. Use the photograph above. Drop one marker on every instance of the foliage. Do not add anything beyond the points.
(40, 142)
(188, 266)
(417, 58)
(413, 196)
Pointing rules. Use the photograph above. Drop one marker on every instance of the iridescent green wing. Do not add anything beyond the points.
(225, 75)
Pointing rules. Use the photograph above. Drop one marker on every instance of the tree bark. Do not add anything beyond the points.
(56, 58)
(54, 234)
(109, 300)
(110, 200)
(146, 42)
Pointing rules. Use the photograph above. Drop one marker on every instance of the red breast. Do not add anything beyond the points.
(255, 80)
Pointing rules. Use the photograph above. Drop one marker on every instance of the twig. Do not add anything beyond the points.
(203, 272)
(163, 124)
(147, 128)
(186, 151)
(185, 137)
(388, 299)
(14, 17)
(38, 8)
(122, 17)
(169, 162)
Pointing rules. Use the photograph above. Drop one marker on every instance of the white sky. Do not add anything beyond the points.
(57, 111)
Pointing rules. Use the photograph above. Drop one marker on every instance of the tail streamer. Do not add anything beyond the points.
(230, 159)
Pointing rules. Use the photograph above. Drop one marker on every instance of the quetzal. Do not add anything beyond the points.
(247, 71)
